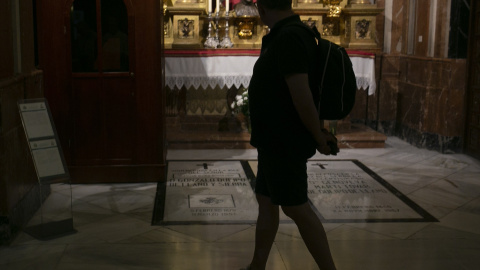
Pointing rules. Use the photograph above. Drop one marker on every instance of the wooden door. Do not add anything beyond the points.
(472, 136)
(109, 110)
(103, 82)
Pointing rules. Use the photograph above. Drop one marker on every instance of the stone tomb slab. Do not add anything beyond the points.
(346, 191)
(210, 192)
(221, 192)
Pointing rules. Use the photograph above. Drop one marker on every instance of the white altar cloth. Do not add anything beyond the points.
(364, 69)
(228, 71)
(209, 71)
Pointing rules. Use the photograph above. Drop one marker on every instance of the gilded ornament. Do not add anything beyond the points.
(185, 27)
(362, 28)
(187, 1)
(245, 27)
(359, 2)
(335, 11)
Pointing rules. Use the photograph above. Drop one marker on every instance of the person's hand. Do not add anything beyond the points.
(322, 146)
(327, 144)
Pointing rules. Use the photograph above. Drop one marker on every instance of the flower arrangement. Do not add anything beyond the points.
(240, 106)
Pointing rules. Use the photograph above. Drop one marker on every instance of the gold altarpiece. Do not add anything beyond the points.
(194, 25)
(187, 25)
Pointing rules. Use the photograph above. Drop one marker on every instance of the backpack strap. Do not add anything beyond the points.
(318, 37)
(327, 45)
(320, 88)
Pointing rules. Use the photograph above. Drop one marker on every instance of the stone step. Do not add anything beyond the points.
(204, 133)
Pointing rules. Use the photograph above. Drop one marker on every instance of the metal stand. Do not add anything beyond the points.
(211, 42)
(226, 41)
(54, 217)
(217, 19)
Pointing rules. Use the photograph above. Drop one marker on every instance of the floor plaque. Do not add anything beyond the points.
(208, 193)
(344, 191)
(220, 192)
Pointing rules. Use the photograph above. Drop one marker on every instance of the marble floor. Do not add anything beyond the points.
(115, 232)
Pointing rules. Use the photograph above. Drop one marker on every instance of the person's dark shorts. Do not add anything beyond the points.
(283, 178)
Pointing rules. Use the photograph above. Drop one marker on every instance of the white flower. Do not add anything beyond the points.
(238, 97)
(233, 105)
(239, 103)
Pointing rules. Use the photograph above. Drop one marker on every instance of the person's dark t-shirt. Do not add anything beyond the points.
(276, 125)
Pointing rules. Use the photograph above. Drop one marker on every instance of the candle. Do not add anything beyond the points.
(217, 7)
(209, 6)
(227, 5)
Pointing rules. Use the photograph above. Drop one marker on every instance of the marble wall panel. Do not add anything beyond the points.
(402, 66)
(390, 67)
(388, 100)
(444, 76)
(399, 27)
(359, 109)
(372, 108)
(446, 92)
(416, 71)
(431, 141)
(445, 72)
(458, 73)
(380, 24)
(444, 111)
(434, 71)
(427, 97)
(420, 98)
(441, 31)
(422, 24)
(411, 105)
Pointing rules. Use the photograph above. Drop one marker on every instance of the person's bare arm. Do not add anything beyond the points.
(303, 102)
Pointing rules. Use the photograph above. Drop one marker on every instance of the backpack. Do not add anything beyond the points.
(337, 83)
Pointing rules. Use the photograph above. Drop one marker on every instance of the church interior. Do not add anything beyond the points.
(123, 144)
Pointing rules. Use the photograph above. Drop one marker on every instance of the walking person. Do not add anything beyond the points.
(286, 131)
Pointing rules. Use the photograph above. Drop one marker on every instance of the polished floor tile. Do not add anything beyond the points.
(114, 230)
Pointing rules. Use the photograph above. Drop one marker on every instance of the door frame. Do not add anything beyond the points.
(150, 144)
(101, 76)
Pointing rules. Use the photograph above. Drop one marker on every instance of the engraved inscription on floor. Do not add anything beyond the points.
(208, 192)
(217, 192)
(347, 191)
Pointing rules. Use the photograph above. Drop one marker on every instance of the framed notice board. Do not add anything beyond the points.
(43, 140)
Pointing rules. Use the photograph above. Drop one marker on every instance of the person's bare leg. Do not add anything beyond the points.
(313, 234)
(267, 227)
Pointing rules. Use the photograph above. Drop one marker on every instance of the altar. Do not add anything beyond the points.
(200, 85)
(218, 71)
(211, 47)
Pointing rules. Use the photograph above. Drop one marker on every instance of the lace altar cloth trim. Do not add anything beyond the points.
(228, 71)
(209, 71)
(205, 82)
(364, 69)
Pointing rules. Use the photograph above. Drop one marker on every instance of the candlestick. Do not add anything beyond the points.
(217, 24)
(210, 42)
(226, 41)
